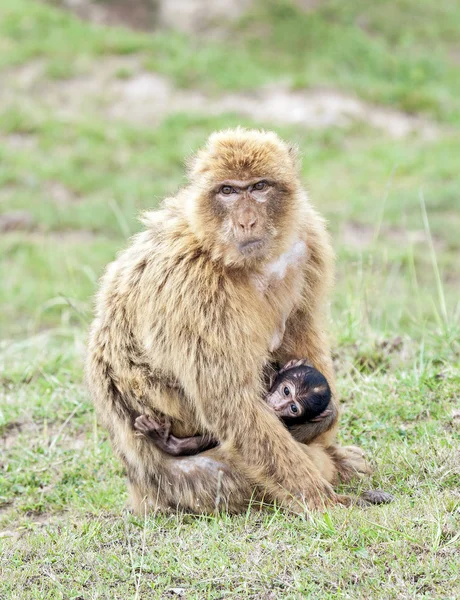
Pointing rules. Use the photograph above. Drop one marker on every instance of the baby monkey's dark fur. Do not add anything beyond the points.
(298, 393)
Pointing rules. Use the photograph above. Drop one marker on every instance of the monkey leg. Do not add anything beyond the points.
(203, 483)
(333, 470)
(198, 484)
(159, 433)
(305, 341)
(342, 464)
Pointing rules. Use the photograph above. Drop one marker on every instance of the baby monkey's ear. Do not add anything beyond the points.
(295, 362)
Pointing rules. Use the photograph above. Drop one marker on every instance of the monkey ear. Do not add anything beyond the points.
(197, 163)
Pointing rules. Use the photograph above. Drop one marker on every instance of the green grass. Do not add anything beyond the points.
(394, 212)
(394, 52)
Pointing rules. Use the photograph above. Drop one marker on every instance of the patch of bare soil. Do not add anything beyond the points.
(70, 236)
(19, 141)
(55, 434)
(22, 221)
(60, 193)
(322, 108)
(359, 235)
(17, 220)
(135, 14)
(147, 98)
(11, 432)
(190, 16)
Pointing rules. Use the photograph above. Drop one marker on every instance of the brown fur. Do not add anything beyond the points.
(185, 324)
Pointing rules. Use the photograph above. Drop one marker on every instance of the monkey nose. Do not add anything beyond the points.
(247, 224)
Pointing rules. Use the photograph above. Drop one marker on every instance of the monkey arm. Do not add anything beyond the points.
(159, 433)
(183, 446)
(305, 334)
(190, 445)
(305, 340)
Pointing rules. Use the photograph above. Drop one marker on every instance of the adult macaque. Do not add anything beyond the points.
(299, 393)
(230, 274)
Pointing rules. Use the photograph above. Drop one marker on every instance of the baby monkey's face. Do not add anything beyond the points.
(299, 393)
(283, 399)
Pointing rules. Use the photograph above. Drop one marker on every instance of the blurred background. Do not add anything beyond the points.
(100, 102)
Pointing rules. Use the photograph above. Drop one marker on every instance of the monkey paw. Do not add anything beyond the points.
(377, 497)
(146, 425)
(366, 499)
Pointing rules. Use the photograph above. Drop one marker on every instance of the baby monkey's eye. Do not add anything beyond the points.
(286, 391)
(259, 185)
(294, 408)
(226, 189)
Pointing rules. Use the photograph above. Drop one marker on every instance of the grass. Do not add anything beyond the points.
(393, 209)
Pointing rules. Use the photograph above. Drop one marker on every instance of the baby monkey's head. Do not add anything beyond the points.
(299, 394)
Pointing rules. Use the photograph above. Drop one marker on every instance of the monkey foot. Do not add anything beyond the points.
(355, 463)
(366, 499)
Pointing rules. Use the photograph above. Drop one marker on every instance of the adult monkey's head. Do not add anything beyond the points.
(244, 195)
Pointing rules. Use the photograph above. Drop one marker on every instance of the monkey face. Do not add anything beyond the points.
(244, 207)
(283, 400)
(247, 194)
(299, 394)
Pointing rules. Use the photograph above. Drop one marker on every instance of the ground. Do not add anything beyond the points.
(95, 122)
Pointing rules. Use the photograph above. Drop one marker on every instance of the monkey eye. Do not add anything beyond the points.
(286, 391)
(226, 190)
(259, 185)
(294, 408)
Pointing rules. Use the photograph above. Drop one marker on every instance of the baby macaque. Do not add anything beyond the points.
(298, 393)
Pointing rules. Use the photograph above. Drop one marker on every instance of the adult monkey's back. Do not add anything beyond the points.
(229, 274)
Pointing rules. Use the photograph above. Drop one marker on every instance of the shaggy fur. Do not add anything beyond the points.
(185, 324)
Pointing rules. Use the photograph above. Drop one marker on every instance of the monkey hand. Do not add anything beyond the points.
(147, 426)
(321, 416)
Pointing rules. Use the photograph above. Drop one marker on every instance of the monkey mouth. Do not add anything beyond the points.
(250, 246)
